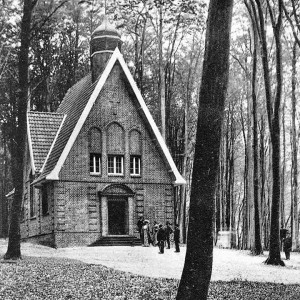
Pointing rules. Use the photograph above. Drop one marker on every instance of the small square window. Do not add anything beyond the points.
(135, 165)
(95, 163)
(115, 165)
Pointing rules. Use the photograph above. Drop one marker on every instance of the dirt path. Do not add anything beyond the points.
(228, 264)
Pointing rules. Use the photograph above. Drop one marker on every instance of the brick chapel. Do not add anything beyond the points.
(99, 163)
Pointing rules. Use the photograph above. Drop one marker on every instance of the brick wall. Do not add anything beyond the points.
(76, 204)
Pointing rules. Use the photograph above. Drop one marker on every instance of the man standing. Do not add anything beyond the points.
(177, 237)
(287, 246)
(169, 230)
(140, 224)
(161, 236)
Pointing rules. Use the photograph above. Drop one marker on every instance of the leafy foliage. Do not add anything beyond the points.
(48, 278)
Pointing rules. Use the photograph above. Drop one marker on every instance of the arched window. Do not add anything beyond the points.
(135, 146)
(95, 150)
(115, 149)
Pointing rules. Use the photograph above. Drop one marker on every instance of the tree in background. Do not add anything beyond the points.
(196, 274)
(273, 111)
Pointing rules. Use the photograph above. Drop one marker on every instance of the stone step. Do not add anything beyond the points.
(117, 241)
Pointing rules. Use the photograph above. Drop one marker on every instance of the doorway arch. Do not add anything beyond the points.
(117, 210)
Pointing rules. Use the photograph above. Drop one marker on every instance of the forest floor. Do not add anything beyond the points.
(139, 273)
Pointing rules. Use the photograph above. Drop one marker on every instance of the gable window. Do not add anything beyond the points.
(95, 163)
(45, 204)
(135, 165)
(115, 165)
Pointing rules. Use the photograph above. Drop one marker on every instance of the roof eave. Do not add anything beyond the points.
(33, 168)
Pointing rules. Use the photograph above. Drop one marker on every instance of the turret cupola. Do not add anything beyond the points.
(105, 39)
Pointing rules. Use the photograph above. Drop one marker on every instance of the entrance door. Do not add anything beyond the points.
(117, 216)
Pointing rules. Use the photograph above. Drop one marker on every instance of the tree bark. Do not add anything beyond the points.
(294, 202)
(273, 112)
(257, 247)
(274, 253)
(18, 143)
(196, 274)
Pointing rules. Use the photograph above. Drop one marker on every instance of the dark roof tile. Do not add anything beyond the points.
(43, 127)
(72, 106)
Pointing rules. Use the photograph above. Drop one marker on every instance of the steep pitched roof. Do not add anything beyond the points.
(42, 129)
(77, 105)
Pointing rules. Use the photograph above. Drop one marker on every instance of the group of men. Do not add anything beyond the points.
(161, 235)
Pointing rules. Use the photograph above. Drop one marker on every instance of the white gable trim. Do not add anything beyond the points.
(55, 172)
(53, 143)
(179, 180)
(33, 169)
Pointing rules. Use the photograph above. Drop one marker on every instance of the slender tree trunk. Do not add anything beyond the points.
(18, 145)
(274, 253)
(283, 171)
(196, 274)
(257, 247)
(273, 112)
(294, 200)
(161, 75)
(262, 176)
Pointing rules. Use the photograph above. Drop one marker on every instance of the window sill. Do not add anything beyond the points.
(135, 175)
(32, 218)
(95, 174)
(115, 175)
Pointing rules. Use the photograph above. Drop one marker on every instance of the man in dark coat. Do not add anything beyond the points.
(177, 237)
(140, 224)
(287, 246)
(161, 236)
(168, 230)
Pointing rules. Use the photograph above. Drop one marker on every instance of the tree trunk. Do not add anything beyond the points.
(257, 247)
(294, 200)
(18, 145)
(274, 253)
(273, 112)
(161, 88)
(196, 274)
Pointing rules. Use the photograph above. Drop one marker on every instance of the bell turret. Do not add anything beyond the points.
(105, 39)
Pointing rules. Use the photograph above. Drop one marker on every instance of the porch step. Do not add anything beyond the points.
(117, 241)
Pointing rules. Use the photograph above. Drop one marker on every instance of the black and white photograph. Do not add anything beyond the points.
(149, 149)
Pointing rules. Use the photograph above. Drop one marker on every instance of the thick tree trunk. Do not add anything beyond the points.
(18, 144)
(196, 274)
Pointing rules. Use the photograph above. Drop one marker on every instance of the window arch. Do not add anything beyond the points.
(135, 142)
(135, 148)
(95, 150)
(115, 149)
(115, 138)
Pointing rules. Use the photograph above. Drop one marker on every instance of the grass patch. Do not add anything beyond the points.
(47, 278)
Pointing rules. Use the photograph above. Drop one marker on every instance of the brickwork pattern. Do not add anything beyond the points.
(38, 224)
(109, 110)
(93, 209)
(77, 212)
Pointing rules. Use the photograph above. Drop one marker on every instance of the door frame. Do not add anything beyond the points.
(116, 190)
